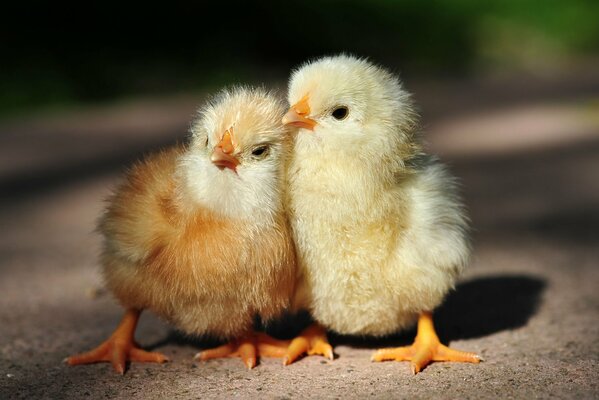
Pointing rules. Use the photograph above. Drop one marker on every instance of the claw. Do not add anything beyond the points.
(313, 341)
(249, 347)
(119, 348)
(425, 349)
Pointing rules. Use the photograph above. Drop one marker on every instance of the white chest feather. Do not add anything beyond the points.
(247, 194)
(363, 251)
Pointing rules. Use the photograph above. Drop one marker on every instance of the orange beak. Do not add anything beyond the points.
(298, 115)
(222, 154)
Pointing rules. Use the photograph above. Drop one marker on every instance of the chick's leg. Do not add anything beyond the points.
(119, 348)
(248, 347)
(425, 349)
(313, 341)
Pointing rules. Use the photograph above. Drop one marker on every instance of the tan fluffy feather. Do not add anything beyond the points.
(204, 248)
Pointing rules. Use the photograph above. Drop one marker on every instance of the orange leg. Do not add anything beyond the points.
(248, 347)
(313, 340)
(425, 349)
(119, 348)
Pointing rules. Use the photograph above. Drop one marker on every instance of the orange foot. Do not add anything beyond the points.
(249, 347)
(313, 340)
(119, 348)
(425, 349)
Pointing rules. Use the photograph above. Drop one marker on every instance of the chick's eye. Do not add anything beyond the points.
(260, 151)
(340, 113)
(206, 144)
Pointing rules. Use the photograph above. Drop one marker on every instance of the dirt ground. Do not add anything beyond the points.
(528, 158)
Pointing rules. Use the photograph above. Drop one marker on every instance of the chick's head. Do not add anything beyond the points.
(348, 104)
(236, 157)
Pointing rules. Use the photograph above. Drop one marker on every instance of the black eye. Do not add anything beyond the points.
(206, 144)
(260, 151)
(340, 113)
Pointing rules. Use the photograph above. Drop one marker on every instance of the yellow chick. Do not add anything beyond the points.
(380, 232)
(198, 234)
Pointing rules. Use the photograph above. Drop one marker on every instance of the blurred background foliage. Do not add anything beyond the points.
(60, 55)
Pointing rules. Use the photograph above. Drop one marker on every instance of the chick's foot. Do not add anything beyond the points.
(313, 341)
(425, 349)
(119, 348)
(249, 347)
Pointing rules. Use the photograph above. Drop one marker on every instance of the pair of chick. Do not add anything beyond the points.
(335, 210)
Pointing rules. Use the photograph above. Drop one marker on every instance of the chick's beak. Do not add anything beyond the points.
(222, 154)
(298, 115)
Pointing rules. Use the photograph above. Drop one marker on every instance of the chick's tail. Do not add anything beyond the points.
(119, 348)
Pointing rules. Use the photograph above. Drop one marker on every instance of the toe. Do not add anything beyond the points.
(140, 355)
(247, 352)
(119, 358)
(268, 350)
(422, 357)
(445, 353)
(395, 354)
(322, 348)
(93, 356)
(225, 350)
(298, 347)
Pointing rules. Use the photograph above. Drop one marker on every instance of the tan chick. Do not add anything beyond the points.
(197, 234)
(380, 232)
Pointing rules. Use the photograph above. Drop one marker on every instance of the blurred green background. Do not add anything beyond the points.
(55, 56)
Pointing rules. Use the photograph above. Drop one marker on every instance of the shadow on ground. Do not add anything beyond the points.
(477, 308)
(488, 305)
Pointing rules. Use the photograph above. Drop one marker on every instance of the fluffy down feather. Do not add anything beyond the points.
(380, 232)
(204, 247)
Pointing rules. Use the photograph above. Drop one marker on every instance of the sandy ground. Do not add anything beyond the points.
(529, 304)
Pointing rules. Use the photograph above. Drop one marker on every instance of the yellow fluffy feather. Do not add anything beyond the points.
(380, 233)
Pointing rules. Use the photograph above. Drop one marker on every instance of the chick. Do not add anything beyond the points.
(380, 233)
(197, 234)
